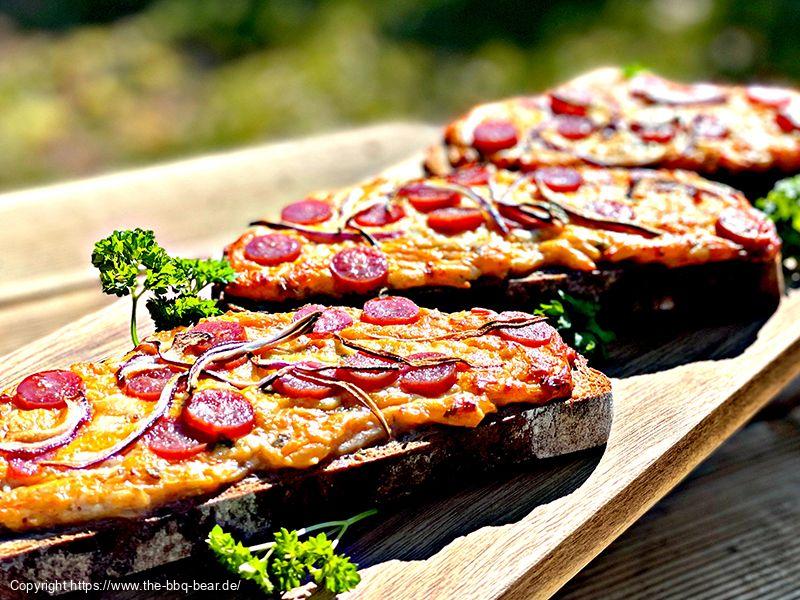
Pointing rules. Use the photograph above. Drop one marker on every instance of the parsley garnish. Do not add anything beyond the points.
(633, 69)
(576, 321)
(782, 206)
(288, 562)
(132, 263)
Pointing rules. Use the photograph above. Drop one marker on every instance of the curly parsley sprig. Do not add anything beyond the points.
(576, 321)
(287, 562)
(131, 263)
(782, 206)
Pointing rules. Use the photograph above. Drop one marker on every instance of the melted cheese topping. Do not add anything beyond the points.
(289, 433)
(752, 139)
(684, 206)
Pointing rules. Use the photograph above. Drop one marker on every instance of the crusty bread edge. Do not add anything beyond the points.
(373, 476)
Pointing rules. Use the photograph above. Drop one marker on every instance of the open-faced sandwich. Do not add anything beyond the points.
(634, 239)
(610, 118)
(384, 398)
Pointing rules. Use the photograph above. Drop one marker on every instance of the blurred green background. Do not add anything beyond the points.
(86, 86)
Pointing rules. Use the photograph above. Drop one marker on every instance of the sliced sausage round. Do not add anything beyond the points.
(359, 270)
(771, 97)
(170, 439)
(294, 385)
(426, 198)
(219, 413)
(570, 102)
(390, 310)
(48, 389)
(430, 381)
(492, 136)
(745, 229)
(659, 133)
(560, 179)
(307, 212)
(451, 221)
(272, 249)
(380, 214)
(148, 385)
(573, 127)
(368, 379)
(469, 176)
(533, 336)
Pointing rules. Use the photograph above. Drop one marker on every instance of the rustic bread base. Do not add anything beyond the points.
(371, 477)
(627, 293)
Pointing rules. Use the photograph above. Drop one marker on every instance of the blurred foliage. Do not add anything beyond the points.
(88, 85)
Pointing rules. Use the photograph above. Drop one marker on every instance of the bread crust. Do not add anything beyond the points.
(374, 476)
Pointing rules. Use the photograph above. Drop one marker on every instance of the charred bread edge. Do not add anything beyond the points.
(718, 289)
(369, 477)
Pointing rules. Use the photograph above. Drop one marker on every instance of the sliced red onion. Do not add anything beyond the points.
(159, 410)
(230, 350)
(78, 411)
(330, 237)
(478, 199)
(355, 391)
(581, 218)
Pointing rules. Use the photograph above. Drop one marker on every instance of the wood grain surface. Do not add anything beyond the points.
(503, 538)
(728, 531)
(195, 207)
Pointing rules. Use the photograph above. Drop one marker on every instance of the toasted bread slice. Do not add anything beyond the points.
(374, 476)
(631, 239)
(607, 117)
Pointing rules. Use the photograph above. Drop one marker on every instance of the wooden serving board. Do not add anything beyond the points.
(506, 537)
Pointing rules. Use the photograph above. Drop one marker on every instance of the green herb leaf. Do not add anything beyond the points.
(238, 559)
(576, 321)
(782, 206)
(132, 263)
(289, 562)
(632, 69)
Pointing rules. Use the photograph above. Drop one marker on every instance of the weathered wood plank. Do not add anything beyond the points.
(195, 206)
(729, 531)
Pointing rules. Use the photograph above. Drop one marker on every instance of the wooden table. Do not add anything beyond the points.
(666, 421)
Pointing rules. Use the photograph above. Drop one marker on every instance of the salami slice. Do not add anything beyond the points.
(560, 179)
(789, 118)
(307, 212)
(429, 381)
(492, 136)
(294, 385)
(221, 332)
(574, 128)
(219, 413)
(469, 176)
(330, 321)
(390, 310)
(426, 198)
(658, 91)
(170, 439)
(272, 249)
(744, 229)
(770, 97)
(147, 385)
(451, 221)
(570, 102)
(657, 133)
(533, 336)
(368, 380)
(48, 389)
(380, 214)
(359, 270)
